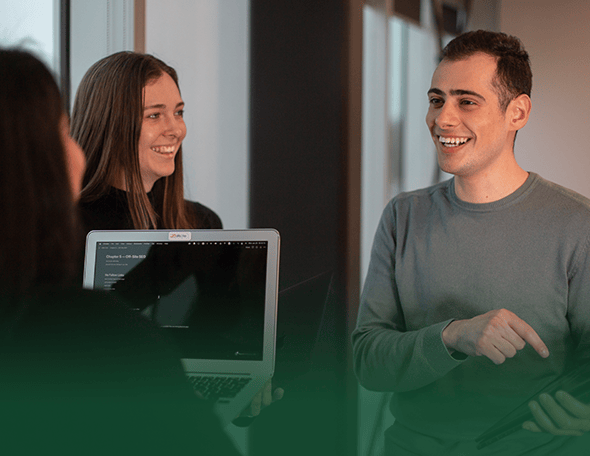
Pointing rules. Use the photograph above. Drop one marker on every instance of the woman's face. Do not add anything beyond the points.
(162, 129)
(75, 159)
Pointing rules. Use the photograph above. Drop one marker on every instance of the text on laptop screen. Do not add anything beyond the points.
(209, 295)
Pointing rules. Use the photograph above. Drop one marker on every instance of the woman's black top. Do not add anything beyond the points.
(111, 212)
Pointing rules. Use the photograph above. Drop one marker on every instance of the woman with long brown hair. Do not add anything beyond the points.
(128, 119)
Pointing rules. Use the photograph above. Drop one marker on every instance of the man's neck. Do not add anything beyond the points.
(489, 188)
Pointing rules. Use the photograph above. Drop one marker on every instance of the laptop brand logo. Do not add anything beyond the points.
(179, 236)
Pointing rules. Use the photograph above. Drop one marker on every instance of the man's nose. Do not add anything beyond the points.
(446, 116)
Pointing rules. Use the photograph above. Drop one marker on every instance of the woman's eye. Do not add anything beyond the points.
(154, 115)
(180, 113)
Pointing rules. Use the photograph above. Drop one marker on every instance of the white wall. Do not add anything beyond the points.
(32, 25)
(557, 36)
(397, 150)
(98, 28)
(207, 42)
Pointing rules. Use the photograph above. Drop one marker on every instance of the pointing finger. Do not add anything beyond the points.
(524, 330)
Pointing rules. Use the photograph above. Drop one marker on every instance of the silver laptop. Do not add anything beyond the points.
(213, 291)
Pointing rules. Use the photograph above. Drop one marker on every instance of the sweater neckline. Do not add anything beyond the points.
(516, 196)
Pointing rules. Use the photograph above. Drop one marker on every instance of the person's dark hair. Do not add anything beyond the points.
(513, 68)
(39, 223)
(106, 123)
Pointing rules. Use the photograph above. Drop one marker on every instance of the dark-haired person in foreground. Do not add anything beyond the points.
(81, 373)
(478, 290)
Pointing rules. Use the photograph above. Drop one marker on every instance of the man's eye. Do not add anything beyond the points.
(180, 113)
(467, 102)
(435, 101)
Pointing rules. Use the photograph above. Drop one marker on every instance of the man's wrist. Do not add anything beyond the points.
(447, 337)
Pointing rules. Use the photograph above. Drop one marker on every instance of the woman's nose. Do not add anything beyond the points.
(173, 127)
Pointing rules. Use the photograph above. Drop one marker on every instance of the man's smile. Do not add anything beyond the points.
(451, 141)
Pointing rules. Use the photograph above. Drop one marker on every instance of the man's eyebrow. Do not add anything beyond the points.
(161, 106)
(456, 92)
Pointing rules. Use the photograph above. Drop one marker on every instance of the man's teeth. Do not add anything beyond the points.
(164, 149)
(452, 142)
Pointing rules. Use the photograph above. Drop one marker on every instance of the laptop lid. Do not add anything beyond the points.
(213, 291)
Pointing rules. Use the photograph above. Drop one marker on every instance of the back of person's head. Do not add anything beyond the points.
(513, 72)
(106, 122)
(38, 229)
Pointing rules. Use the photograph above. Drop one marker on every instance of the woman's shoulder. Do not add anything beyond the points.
(110, 211)
(207, 218)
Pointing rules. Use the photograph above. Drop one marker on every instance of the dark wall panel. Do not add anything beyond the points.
(296, 114)
(299, 161)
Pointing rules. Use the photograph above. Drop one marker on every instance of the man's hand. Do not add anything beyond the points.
(497, 334)
(262, 399)
(566, 416)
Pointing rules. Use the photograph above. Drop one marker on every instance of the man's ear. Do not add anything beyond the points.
(519, 110)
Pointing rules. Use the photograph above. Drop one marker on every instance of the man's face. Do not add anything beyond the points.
(473, 137)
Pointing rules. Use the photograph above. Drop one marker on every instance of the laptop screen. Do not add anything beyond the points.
(210, 296)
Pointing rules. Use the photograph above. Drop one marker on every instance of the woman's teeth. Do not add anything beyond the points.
(164, 149)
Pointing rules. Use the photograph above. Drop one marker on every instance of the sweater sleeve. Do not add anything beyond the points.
(386, 356)
(578, 312)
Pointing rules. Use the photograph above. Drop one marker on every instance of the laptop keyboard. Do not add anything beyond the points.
(218, 387)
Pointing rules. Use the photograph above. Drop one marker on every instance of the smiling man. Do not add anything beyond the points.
(478, 290)
(472, 129)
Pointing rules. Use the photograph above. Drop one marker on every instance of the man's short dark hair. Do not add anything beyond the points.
(513, 72)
